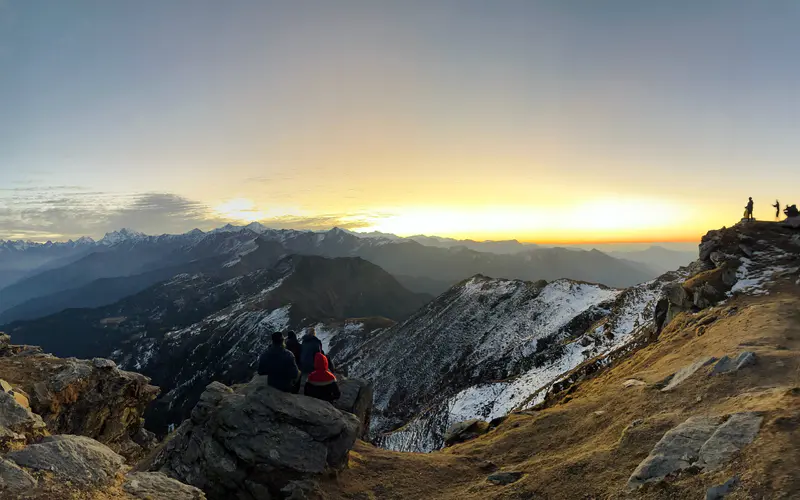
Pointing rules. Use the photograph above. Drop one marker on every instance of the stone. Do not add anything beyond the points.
(256, 435)
(303, 490)
(792, 222)
(5, 386)
(632, 382)
(17, 423)
(465, 431)
(684, 373)
(733, 435)
(504, 478)
(75, 458)
(727, 364)
(698, 444)
(356, 398)
(71, 373)
(710, 243)
(13, 480)
(677, 450)
(718, 492)
(157, 486)
(103, 364)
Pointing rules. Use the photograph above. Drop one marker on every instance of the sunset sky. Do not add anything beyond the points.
(545, 121)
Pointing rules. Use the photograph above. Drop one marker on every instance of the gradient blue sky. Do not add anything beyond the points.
(545, 121)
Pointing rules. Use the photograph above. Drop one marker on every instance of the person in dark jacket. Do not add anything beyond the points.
(321, 383)
(293, 345)
(311, 346)
(279, 366)
(777, 207)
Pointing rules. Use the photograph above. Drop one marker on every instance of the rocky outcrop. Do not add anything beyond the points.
(684, 373)
(88, 398)
(727, 364)
(71, 458)
(18, 425)
(465, 431)
(157, 486)
(252, 442)
(357, 394)
(700, 443)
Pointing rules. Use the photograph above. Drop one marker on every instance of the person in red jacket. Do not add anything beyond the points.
(321, 382)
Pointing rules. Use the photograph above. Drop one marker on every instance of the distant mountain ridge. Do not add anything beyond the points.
(92, 273)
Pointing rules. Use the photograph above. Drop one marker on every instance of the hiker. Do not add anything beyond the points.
(748, 209)
(293, 345)
(777, 207)
(279, 366)
(791, 211)
(321, 382)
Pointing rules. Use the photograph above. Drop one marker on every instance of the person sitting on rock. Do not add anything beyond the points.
(321, 382)
(279, 366)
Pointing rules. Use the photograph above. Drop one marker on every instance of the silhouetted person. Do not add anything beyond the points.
(777, 207)
(279, 365)
(321, 382)
(293, 345)
(748, 209)
(311, 346)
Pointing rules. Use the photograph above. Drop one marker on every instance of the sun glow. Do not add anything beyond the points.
(595, 220)
(240, 209)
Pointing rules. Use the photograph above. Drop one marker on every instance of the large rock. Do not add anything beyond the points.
(13, 480)
(699, 443)
(18, 424)
(357, 394)
(255, 440)
(87, 398)
(77, 459)
(726, 364)
(684, 373)
(736, 433)
(157, 486)
(465, 431)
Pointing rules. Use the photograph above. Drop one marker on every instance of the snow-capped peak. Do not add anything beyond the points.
(120, 236)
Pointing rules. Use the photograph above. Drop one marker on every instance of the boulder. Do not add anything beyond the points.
(356, 398)
(698, 444)
(464, 431)
(13, 480)
(710, 243)
(727, 364)
(18, 424)
(157, 486)
(710, 287)
(677, 450)
(684, 373)
(77, 459)
(737, 432)
(256, 439)
(504, 478)
(718, 492)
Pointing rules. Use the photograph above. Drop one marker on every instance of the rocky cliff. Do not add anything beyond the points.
(69, 429)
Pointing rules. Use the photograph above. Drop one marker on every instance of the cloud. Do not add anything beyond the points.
(64, 212)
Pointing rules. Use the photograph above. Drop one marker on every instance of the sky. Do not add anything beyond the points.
(546, 121)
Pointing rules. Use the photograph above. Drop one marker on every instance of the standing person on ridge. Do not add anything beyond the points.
(748, 209)
(777, 207)
(279, 366)
(321, 382)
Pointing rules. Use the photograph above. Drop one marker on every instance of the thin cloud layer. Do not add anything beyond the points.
(69, 212)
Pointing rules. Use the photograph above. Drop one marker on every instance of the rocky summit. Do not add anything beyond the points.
(253, 442)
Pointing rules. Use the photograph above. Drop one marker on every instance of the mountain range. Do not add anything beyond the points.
(42, 279)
